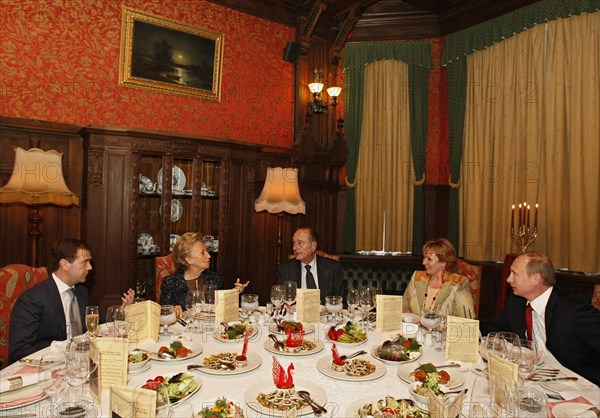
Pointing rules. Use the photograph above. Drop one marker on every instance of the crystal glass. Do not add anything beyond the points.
(334, 306)
(209, 298)
(526, 355)
(115, 318)
(352, 301)
(277, 296)
(92, 318)
(289, 297)
(249, 304)
(527, 402)
(505, 344)
(365, 301)
(81, 363)
(51, 374)
(167, 317)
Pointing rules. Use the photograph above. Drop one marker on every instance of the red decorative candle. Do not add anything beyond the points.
(536, 215)
(512, 217)
(528, 215)
(520, 215)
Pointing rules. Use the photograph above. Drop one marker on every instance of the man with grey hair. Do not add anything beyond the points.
(569, 329)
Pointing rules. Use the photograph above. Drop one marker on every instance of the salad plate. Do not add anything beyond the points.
(349, 335)
(180, 386)
(412, 356)
(308, 328)
(221, 407)
(254, 362)
(311, 347)
(140, 370)
(177, 180)
(152, 349)
(272, 409)
(373, 406)
(456, 379)
(237, 330)
(343, 344)
(324, 366)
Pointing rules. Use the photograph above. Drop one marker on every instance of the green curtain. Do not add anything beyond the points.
(356, 56)
(463, 43)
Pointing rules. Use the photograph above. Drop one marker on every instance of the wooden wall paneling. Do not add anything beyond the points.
(437, 200)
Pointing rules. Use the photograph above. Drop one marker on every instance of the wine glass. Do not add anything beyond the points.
(277, 296)
(115, 315)
(430, 319)
(209, 298)
(352, 301)
(334, 306)
(365, 301)
(505, 343)
(51, 374)
(249, 304)
(167, 317)
(289, 297)
(81, 363)
(526, 355)
(92, 318)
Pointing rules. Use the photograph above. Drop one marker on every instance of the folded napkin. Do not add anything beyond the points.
(579, 399)
(60, 346)
(592, 396)
(25, 376)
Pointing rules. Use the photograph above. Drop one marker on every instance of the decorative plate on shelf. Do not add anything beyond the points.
(177, 179)
(176, 210)
(145, 184)
(145, 240)
(172, 239)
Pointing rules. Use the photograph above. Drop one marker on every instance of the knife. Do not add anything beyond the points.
(554, 379)
(39, 362)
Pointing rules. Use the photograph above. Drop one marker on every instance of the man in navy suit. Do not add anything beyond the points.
(41, 314)
(326, 273)
(570, 330)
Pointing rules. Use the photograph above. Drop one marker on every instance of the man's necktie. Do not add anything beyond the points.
(529, 321)
(310, 279)
(74, 317)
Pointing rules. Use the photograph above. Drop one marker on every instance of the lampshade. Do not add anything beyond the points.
(37, 179)
(334, 91)
(315, 87)
(280, 192)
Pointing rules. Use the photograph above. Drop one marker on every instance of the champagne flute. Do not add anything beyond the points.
(352, 301)
(277, 296)
(92, 318)
(290, 288)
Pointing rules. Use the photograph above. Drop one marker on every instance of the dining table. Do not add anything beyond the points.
(340, 395)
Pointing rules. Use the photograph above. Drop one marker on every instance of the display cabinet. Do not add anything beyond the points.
(146, 189)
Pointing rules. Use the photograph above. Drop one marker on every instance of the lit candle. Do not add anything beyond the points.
(512, 218)
(520, 215)
(536, 215)
(528, 215)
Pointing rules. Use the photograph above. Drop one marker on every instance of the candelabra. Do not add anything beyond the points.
(523, 237)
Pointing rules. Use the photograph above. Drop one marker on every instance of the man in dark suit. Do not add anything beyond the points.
(322, 273)
(42, 313)
(570, 330)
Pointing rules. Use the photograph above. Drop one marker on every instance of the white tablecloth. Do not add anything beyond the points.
(340, 394)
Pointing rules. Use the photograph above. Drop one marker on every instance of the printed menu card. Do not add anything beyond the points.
(227, 306)
(308, 305)
(143, 321)
(389, 313)
(439, 409)
(112, 364)
(503, 375)
(126, 402)
(462, 339)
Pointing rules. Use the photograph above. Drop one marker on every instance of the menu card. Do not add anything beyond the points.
(112, 365)
(462, 339)
(126, 402)
(227, 306)
(307, 305)
(439, 409)
(143, 321)
(503, 375)
(389, 313)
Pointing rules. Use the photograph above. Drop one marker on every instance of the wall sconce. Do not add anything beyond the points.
(318, 104)
(280, 194)
(37, 180)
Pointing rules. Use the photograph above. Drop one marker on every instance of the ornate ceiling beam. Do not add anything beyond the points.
(307, 29)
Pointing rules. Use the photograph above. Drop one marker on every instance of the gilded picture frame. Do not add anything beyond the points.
(163, 55)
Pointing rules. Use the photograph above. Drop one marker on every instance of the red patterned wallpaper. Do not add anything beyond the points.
(59, 61)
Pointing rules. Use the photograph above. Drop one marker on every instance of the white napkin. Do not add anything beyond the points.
(60, 346)
(591, 395)
(28, 379)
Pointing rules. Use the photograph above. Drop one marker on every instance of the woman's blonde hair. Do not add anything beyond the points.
(444, 250)
(183, 248)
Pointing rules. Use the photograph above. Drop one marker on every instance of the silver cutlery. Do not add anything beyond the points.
(317, 409)
(454, 392)
(279, 346)
(554, 379)
(351, 356)
(164, 355)
(222, 366)
(39, 362)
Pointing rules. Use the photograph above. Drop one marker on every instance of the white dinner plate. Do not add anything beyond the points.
(152, 349)
(308, 329)
(456, 378)
(141, 370)
(416, 411)
(198, 381)
(254, 362)
(571, 409)
(145, 240)
(177, 179)
(343, 344)
(563, 386)
(219, 337)
(414, 355)
(22, 397)
(324, 366)
(480, 369)
(270, 346)
(316, 393)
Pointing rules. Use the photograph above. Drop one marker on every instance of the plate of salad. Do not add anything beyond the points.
(179, 349)
(235, 332)
(221, 408)
(397, 351)
(283, 327)
(180, 386)
(348, 335)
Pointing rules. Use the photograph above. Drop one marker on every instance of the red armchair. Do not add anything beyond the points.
(164, 267)
(473, 273)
